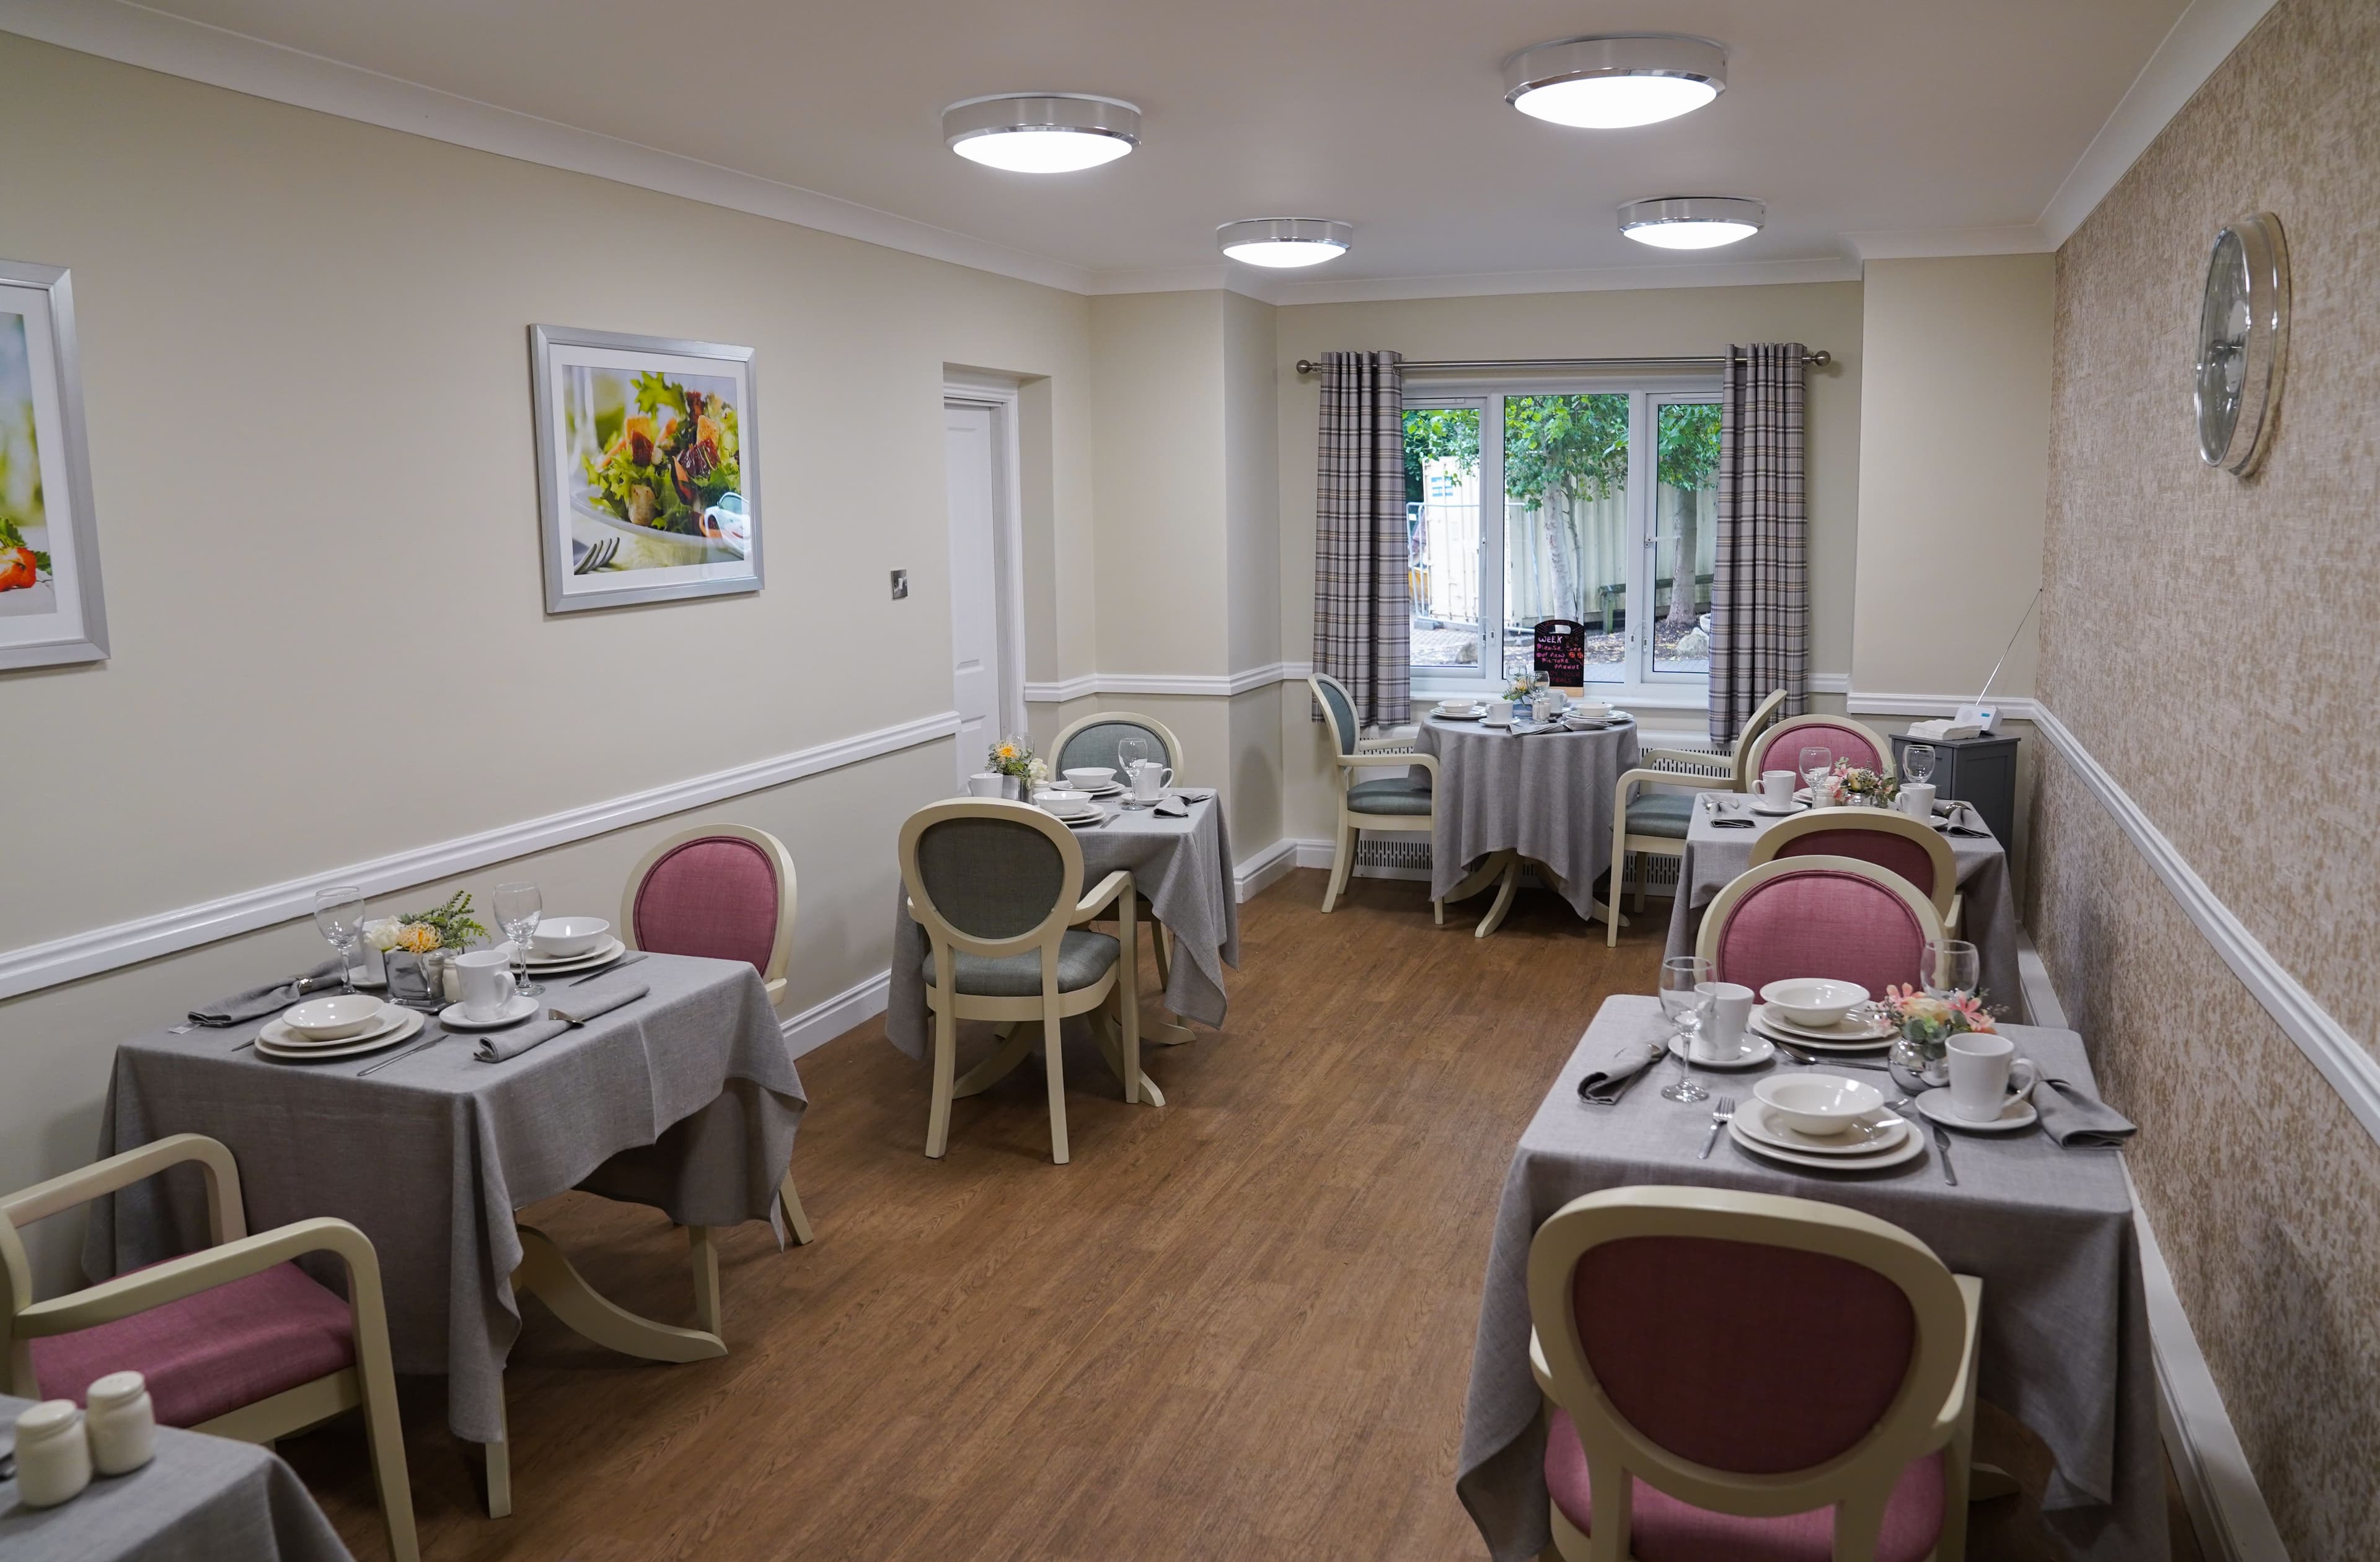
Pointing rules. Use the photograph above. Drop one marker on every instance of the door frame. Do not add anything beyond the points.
(1001, 395)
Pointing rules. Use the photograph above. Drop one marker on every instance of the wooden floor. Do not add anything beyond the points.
(1236, 1327)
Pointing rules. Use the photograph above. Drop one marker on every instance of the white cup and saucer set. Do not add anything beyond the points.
(1823, 1122)
(1776, 796)
(1461, 711)
(1724, 1040)
(336, 1025)
(1990, 1086)
(490, 998)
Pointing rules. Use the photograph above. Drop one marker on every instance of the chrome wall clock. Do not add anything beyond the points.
(2243, 339)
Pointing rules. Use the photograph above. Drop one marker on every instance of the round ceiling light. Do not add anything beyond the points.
(1285, 241)
(1691, 222)
(1041, 132)
(1611, 83)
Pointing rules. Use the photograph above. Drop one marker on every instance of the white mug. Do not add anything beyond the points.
(1500, 712)
(984, 783)
(1917, 798)
(1778, 787)
(1720, 1040)
(1980, 1064)
(487, 979)
(1149, 782)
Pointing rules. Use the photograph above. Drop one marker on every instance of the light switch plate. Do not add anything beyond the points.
(900, 584)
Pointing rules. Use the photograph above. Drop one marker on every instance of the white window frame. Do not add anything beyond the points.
(1641, 686)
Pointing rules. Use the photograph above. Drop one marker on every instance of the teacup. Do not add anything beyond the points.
(487, 979)
(1500, 712)
(1090, 778)
(1150, 780)
(1720, 1040)
(1981, 1066)
(1917, 798)
(1777, 787)
(986, 784)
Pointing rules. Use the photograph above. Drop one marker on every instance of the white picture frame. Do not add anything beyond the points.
(53, 610)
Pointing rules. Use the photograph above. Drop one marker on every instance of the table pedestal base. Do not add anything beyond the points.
(1503, 869)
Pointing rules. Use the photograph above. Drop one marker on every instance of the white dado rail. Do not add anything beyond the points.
(1217, 686)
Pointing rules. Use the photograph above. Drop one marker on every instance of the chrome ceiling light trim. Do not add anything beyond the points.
(1041, 132)
(1691, 222)
(1614, 80)
(1285, 241)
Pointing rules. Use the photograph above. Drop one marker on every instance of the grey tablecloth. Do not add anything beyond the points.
(686, 1100)
(1182, 867)
(201, 1500)
(1987, 917)
(2049, 1231)
(1546, 795)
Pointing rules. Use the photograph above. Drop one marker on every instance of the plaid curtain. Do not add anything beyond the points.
(1363, 620)
(1760, 585)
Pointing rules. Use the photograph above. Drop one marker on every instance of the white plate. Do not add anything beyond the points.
(1772, 1020)
(2018, 1113)
(1085, 822)
(515, 1010)
(1107, 791)
(610, 948)
(1911, 1147)
(1756, 1121)
(347, 1048)
(1762, 806)
(1458, 715)
(1762, 1050)
(283, 1039)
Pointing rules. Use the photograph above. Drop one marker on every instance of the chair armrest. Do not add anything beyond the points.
(1689, 755)
(1360, 760)
(1105, 891)
(194, 1272)
(226, 1220)
(1537, 1368)
(1951, 924)
(1630, 779)
(1971, 1291)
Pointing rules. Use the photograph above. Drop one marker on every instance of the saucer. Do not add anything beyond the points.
(515, 1010)
(285, 1039)
(1081, 821)
(352, 1047)
(1911, 1145)
(611, 948)
(1770, 1019)
(1759, 1053)
(1888, 1130)
(1110, 790)
(2018, 1113)
(1762, 806)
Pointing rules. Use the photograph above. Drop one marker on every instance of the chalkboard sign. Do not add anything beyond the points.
(1562, 652)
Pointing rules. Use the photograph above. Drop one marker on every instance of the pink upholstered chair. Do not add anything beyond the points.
(235, 1339)
(721, 891)
(1853, 1441)
(1909, 847)
(1855, 741)
(1817, 916)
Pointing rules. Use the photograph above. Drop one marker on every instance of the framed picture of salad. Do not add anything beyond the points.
(51, 610)
(649, 482)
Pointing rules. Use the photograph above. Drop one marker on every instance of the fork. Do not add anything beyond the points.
(1722, 1113)
(605, 549)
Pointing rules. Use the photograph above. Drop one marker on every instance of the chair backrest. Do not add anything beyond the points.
(990, 878)
(1338, 709)
(1889, 839)
(1817, 916)
(1861, 745)
(1619, 1277)
(1764, 716)
(724, 891)
(1092, 741)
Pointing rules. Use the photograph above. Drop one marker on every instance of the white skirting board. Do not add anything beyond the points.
(2226, 1508)
(821, 1022)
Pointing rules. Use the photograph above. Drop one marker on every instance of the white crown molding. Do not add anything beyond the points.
(1925, 244)
(1723, 274)
(125, 943)
(2349, 1067)
(2202, 38)
(822, 1021)
(177, 46)
(1210, 685)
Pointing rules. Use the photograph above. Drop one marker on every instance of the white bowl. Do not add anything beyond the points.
(1818, 1103)
(559, 937)
(1060, 800)
(1090, 778)
(328, 1018)
(1816, 1002)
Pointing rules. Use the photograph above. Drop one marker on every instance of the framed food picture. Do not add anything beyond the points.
(648, 484)
(51, 610)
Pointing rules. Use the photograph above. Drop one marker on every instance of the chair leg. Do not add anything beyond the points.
(1638, 858)
(1128, 1001)
(705, 1251)
(384, 1432)
(1164, 957)
(1438, 909)
(1342, 861)
(499, 1458)
(946, 1055)
(1053, 1064)
(797, 1220)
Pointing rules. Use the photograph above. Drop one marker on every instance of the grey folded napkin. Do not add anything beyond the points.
(1605, 1084)
(498, 1046)
(2078, 1120)
(1172, 807)
(255, 1003)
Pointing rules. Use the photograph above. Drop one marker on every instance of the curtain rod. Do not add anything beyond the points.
(1818, 359)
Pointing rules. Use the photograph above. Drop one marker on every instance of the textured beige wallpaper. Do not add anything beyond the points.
(2209, 640)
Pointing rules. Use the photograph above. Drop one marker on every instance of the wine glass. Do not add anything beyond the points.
(1951, 966)
(518, 906)
(1817, 761)
(1686, 997)
(339, 912)
(1917, 762)
(1130, 754)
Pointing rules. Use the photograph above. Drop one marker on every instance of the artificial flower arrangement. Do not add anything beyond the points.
(1853, 785)
(1013, 757)
(449, 927)
(1524, 686)
(1925, 1024)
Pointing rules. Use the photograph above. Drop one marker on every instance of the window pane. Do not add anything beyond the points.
(1442, 532)
(1685, 501)
(1566, 525)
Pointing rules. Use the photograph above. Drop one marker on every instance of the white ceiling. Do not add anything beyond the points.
(1908, 120)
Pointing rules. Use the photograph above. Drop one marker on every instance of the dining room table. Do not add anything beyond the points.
(686, 1100)
(2048, 1230)
(199, 1497)
(1526, 794)
(1722, 833)
(1179, 864)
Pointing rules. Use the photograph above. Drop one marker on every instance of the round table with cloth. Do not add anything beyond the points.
(1506, 795)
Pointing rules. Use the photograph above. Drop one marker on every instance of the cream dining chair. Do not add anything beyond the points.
(1913, 850)
(1857, 1443)
(998, 888)
(1400, 803)
(1817, 916)
(236, 1341)
(1728, 765)
(1092, 741)
(1846, 739)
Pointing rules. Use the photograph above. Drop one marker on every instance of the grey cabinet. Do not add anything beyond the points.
(1981, 771)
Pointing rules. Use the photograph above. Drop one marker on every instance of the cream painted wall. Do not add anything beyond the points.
(1251, 479)
(1954, 471)
(305, 362)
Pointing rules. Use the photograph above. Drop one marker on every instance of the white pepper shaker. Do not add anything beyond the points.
(53, 1458)
(121, 1424)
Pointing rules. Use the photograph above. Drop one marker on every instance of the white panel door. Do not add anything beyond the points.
(975, 582)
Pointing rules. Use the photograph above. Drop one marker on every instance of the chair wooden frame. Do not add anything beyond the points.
(1627, 847)
(1785, 729)
(1935, 1408)
(1109, 1002)
(1164, 734)
(1732, 892)
(1369, 754)
(1730, 766)
(1884, 821)
(232, 1254)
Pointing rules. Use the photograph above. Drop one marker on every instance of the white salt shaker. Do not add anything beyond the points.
(53, 1458)
(121, 1424)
